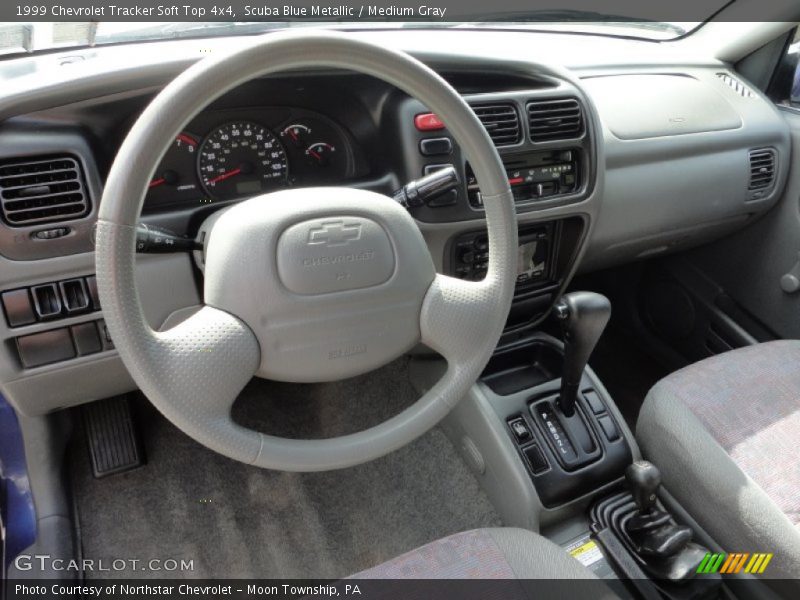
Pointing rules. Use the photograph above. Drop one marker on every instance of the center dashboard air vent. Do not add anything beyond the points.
(501, 122)
(558, 119)
(41, 190)
(762, 169)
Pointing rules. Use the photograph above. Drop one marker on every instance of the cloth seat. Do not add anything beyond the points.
(491, 553)
(725, 433)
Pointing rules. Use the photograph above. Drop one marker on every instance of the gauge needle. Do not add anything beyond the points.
(315, 154)
(157, 182)
(224, 176)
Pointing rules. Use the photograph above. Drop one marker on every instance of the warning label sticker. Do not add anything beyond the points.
(585, 551)
(589, 553)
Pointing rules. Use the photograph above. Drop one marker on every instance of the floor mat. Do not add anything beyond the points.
(232, 520)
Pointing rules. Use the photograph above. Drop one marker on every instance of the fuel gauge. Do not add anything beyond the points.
(320, 154)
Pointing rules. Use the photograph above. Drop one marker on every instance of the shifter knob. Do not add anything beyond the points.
(644, 479)
(583, 317)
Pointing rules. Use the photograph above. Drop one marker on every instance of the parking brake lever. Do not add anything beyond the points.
(418, 192)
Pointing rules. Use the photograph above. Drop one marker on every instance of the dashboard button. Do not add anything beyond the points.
(91, 286)
(45, 348)
(536, 459)
(428, 169)
(18, 307)
(447, 199)
(428, 122)
(87, 340)
(609, 428)
(520, 430)
(435, 146)
(594, 402)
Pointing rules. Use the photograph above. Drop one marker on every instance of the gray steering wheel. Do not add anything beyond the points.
(313, 284)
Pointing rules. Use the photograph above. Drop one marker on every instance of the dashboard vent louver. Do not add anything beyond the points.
(42, 190)
(501, 122)
(560, 119)
(762, 169)
(736, 85)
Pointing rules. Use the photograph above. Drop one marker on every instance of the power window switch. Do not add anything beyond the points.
(520, 430)
(18, 307)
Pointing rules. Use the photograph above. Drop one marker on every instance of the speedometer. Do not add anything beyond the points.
(241, 158)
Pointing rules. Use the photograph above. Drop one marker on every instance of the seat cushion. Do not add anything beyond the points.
(497, 553)
(725, 433)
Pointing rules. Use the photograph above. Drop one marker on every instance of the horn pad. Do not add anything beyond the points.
(333, 254)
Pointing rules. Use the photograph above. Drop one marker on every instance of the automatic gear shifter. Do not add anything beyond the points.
(583, 316)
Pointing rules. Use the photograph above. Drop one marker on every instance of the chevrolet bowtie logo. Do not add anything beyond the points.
(334, 233)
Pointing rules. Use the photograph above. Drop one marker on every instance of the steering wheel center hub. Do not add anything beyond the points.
(332, 254)
(330, 280)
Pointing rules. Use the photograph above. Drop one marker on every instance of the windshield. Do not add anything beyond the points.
(29, 37)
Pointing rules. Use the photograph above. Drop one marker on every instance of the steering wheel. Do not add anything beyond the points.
(313, 284)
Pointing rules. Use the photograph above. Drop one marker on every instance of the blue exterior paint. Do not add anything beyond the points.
(17, 510)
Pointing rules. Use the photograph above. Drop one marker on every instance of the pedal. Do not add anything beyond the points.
(114, 446)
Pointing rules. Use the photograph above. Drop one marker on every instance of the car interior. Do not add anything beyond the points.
(405, 302)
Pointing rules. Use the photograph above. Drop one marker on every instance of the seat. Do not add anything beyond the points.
(725, 433)
(492, 553)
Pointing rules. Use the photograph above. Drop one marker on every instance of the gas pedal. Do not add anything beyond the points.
(114, 443)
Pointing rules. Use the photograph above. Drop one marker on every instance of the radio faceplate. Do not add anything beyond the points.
(535, 176)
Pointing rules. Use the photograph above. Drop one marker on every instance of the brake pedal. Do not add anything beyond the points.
(114, 446)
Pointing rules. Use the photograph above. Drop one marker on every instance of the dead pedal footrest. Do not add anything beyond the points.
(114, 446)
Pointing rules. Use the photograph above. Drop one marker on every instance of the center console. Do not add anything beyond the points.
(554, 454)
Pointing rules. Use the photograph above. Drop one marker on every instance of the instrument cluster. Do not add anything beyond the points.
(238, 153)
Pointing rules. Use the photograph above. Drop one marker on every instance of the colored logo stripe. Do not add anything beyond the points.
(722, 562)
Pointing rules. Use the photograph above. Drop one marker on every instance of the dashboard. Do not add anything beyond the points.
(609, 163)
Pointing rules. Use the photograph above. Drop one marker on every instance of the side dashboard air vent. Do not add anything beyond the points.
(762, 169)
(501, 122)
(42, 189)
(555, 119)
(736, 85)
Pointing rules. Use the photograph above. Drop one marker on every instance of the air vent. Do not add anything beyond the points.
(736, 85)
(42, 190)
(501, 122)
(762, 169)
(555, 119)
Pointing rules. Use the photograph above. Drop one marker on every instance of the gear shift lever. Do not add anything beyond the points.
(583, 316)
(644, 479)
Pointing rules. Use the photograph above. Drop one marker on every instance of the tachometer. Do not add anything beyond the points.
(241, 158)
(175, 179)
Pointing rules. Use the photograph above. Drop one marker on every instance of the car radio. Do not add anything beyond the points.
(535, 176)
(470, 255)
